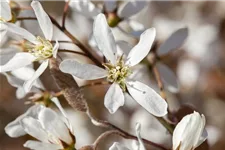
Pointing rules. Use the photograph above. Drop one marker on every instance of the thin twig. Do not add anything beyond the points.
(76, 42)
(72, 51)
(159, 82)
(26, 18)
(94, 84)
(65, 12)
(106, 124)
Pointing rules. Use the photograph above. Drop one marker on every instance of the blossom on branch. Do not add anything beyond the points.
(117, 70)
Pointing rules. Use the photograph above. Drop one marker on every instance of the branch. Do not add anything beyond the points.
(65, 12)
(118, 131)
(76, 42)
(71, 51)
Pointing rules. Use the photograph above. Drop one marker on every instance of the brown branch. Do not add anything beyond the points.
(72, 51)
(26, 18)
(76, 42)
(106, 124)
(65, 12)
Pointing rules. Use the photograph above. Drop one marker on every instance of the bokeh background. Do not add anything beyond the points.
(199, 65)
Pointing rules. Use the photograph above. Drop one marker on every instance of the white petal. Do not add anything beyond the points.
(117, 146)
(131, 8)
(202, 138)
(85, 7)
(83, 71)
(110, 5)
(14, 128)
(138, 130)
(26, 73)
(188, 131)
(35, 145)
(15, 82)
(20, 93)
(6, 54)
(114, 98)
(174, 41)
(104, 38)
(168, 77)
(29, 83)
(53, 123)
(123, 47)
(5, 11)
(13, 28)
(142, 48)
(55, 49)
(147, 98)
(34, 128)
(19, 60)
(43, 20)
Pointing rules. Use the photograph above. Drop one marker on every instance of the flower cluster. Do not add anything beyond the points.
(52, 131)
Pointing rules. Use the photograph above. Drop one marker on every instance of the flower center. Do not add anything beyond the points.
(118, 73)
(43, 50)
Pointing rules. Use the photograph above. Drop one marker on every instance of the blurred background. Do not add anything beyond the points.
(199, 66)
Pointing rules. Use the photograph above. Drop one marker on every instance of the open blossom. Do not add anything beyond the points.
(140, 146)
(45, 125)
(38, 48)
(117, 70)
(189, 132)
(114, 15)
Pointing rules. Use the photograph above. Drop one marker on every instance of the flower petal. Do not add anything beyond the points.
(85, 7)
(138, 130)
(114, 98)
(110, 5)
(26, 73)
(53, 123)
(83, 71)
(19, 60)
(55, 49)
(117, 146)
(5, 11)
(35, 145)
(168, 77)
(147, 98)
(29, 83)
(20, 93)
(202, 138)
(21, 32)
(142, 48)
(14, 81)
(43, 20)
(34, 128)
(14, 128)
(104, 38)
(128, 9)
(6, 54)
(174, 41)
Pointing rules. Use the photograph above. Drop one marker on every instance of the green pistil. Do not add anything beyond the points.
(43, 50)
(113, 19)
(118, 73)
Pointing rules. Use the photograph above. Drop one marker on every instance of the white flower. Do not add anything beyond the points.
(140, 146)
(38, 48)
(44, 124)
(114, 16)
(118, 70)
(173, 42)
(189, 132)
